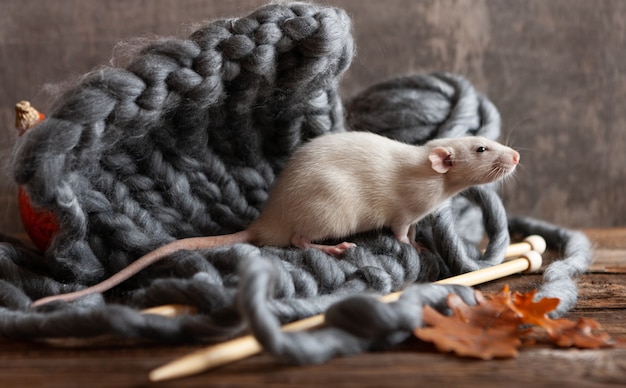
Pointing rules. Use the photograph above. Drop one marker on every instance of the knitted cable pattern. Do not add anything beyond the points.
(132, 158)
(186, 141)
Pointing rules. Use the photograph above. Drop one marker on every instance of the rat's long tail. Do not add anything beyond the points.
(193, 243)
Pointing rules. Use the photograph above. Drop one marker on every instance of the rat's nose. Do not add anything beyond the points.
(515, 157)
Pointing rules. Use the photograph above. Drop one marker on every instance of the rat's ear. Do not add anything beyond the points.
(441, 159)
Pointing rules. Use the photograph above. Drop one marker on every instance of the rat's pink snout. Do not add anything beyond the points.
(515, 157)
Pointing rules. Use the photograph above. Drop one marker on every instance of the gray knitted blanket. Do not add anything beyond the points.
(187, 139)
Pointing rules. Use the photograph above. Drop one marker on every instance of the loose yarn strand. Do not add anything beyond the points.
(559, 277)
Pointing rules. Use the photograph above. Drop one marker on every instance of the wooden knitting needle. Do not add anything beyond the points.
(247, 346)
(171, 310)
(531, 243)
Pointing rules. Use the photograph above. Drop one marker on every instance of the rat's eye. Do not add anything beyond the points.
(481, 149)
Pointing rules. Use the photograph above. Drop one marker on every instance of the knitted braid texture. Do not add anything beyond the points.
(186, 141)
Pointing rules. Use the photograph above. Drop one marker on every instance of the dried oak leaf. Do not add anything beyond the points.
(493, 327)
(529, 311)
(487, 330)
(582, 334)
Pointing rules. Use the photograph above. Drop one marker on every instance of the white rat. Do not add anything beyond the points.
(345, 183)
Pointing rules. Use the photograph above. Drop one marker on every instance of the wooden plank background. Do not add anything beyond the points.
(555, 69)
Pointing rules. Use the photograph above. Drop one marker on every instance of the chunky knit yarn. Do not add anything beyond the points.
(187, 139)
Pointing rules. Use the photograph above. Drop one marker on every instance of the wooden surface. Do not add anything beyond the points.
(555, 69)
(602, 297)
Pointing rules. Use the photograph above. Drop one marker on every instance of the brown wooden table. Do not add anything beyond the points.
(602, 297)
